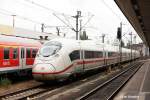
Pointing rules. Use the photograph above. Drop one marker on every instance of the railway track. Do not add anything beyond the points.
(27, 93)
(80, 90)
(110, 88)
(21, 93)
(49, 91)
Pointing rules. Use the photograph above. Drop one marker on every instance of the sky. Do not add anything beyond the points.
(98, 16)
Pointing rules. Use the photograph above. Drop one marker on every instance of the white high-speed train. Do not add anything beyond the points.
(60, 58)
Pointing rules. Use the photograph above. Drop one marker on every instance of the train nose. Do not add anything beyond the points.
(43, 72)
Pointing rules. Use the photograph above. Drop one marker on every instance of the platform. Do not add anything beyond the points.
(138, 88)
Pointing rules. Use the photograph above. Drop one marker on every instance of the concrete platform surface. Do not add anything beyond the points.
(138, 88)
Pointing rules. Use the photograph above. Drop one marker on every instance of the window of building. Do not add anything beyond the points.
(6, 53)
(75, 55)
(34, 51)
(15, 53)
(28, 53)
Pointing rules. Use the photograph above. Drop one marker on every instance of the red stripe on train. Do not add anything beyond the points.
(58, 72)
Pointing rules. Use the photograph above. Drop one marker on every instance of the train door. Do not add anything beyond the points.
(76, 60)
(22, 57)
(82, 59)
(105, 57)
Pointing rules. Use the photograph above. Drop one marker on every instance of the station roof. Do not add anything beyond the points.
(137, 12)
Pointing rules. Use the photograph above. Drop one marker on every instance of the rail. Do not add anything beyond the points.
(110, 81)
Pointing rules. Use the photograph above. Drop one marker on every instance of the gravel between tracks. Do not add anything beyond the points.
(18, 86)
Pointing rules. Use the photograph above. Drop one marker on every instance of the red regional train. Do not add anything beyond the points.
(17, 54)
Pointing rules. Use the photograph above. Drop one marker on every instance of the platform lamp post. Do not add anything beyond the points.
(13, 20)
(131, 44)
(135, 48)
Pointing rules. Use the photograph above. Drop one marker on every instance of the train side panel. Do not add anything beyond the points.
(12, 57)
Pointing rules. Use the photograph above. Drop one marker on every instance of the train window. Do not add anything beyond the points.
(49, 50)
(6, 53)
(110, 54)
(15, 53)
(34, 51)
(88, 54)
(74, 55)
(93, 54)
(28, 53)
(97, 54)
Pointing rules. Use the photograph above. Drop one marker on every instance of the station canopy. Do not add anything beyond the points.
(138, 14)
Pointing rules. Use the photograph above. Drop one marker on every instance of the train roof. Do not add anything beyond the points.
(91, 44)
(86, 44)
(8, 30)
(17, 41)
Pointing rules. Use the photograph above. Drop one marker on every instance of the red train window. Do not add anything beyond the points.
(34, 51)
(6, 53)
(28, 51)
(15, 53)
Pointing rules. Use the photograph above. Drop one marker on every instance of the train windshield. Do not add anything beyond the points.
(50, 49)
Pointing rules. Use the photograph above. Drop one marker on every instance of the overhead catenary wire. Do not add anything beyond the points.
(117, 16)
(53, 12)
(86, 22)
(44, 7)
(56, 12)
(49, 9)
(103, 1)
(39, 5)
(2, 13)
(9, 13)
(67, 20)
(112, 10)
(24, 18)
(64, 22)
